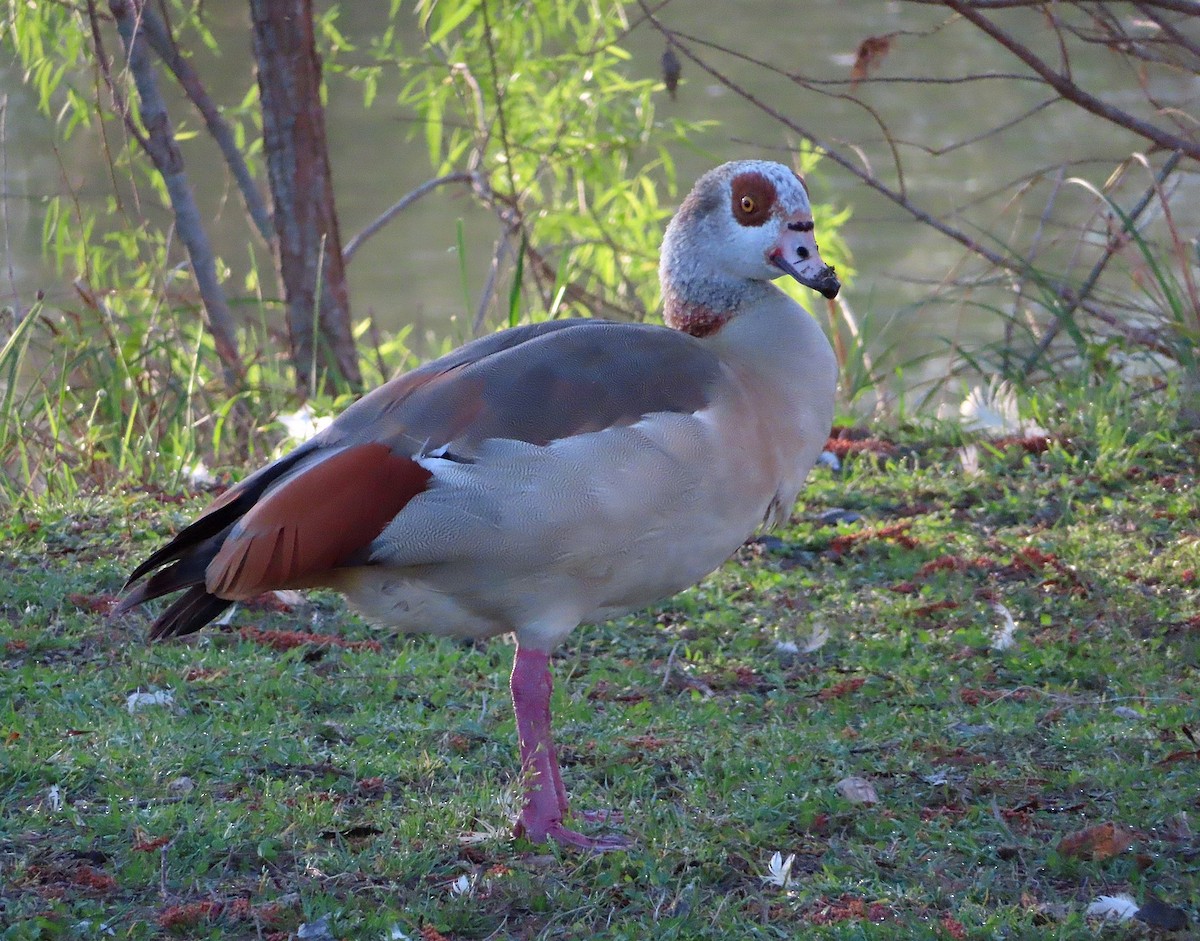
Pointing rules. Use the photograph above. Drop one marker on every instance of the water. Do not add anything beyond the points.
(409, 274)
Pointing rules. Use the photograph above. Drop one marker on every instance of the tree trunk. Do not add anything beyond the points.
(309, 248)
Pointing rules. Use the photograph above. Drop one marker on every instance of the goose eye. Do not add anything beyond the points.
(752, 197)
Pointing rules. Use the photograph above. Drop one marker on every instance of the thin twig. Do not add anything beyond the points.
(837, 156)
(1034, 246)
(8, 255)
(403, 203)
(667, 669)
(499, 89)
(119, 103)
(489, 286)
(1065, 86)
(1191, 7)
(1177, 36)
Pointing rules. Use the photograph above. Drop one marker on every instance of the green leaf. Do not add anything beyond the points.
(514, 292)
(451, 20)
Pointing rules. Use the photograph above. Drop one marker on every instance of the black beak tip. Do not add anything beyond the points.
(825, 283)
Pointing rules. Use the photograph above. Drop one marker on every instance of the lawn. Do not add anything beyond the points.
(847, 692)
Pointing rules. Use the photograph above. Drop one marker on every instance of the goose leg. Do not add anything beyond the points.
(545, 797)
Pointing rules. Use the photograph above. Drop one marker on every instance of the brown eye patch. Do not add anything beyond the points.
(753, 198)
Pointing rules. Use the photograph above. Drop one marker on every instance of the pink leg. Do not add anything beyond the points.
(545, 797)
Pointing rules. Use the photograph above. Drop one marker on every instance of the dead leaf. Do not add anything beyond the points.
(838, 690)
(672, 69)
(1175, 756)
(1103, 841)
(857, 790)
(144, 843)
(871, 52)
(94, 604)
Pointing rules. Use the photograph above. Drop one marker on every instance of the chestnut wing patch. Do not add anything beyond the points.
(315, 520)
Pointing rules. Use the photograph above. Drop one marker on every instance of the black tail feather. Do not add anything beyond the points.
(222, 516)
(187, 571)
(188, 613)
(182, 562)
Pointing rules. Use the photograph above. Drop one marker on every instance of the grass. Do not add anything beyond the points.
(373, 783)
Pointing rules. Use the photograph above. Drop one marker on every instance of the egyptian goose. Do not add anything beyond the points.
(552, 474)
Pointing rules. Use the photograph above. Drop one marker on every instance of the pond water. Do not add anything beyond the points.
(409, 273)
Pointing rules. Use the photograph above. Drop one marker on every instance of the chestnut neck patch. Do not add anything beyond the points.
(693, 319)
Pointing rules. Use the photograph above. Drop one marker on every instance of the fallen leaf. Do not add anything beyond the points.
(954, 928)
(857, 790)
(95, 604)
(838, 690)
(672, 69)
(1103, 841)
(187, 914)
(1186, 755)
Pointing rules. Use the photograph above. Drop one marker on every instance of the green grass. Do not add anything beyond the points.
(341, 780)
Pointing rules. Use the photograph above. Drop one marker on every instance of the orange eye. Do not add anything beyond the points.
(747, 204)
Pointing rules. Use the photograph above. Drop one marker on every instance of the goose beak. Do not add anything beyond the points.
(824, 280)
(796, 254)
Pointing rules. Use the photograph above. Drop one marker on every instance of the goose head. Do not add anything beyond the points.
(743, 224)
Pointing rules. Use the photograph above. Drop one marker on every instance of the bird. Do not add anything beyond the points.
(552, 474)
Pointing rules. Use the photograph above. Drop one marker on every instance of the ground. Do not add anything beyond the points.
(846, 692)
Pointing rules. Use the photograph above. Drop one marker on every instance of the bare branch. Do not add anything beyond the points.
(161, 42)
(159, 144)
(1068, 89)
(403, 203)
(489, 286)
(1175, 35)
(836, 156)
(1191, 7)
(8, 255)
(119, 104)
